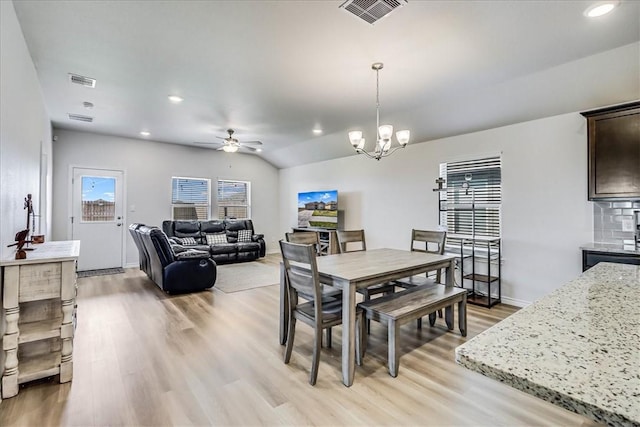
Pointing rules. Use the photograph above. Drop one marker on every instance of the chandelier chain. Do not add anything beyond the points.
(378, 103)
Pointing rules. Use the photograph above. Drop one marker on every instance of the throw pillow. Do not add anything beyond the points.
(216, 238)
(188, 241)
(244, 235)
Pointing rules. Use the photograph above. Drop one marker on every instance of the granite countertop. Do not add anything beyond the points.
(612, 248)
(578, 347)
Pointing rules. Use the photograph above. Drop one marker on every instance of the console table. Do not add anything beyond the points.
(38, 301)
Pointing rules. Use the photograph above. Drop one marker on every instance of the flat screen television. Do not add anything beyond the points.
(318, 209)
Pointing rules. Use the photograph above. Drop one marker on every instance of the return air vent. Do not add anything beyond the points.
(82, 80)
(371, 10)
(80, 118)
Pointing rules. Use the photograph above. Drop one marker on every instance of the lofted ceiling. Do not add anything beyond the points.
(275, 70)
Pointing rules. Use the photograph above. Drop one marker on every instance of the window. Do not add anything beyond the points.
(234, 199)
(472, 201)
(190, 198)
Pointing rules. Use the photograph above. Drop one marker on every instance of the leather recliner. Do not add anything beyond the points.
(189, 271)
(143, 256)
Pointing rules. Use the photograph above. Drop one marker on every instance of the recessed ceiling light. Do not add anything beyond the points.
(175, 99)
(317, 131)
(259, 150)
(145, 133)
(601, 8)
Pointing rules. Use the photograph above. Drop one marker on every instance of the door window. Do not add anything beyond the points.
(98, 198)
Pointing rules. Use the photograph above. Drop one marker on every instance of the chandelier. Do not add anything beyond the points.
(384, 132)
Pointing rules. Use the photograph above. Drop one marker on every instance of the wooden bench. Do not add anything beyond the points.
(403, 307)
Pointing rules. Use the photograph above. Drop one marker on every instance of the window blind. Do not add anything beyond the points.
(233, 199)
(476, 209)
(190, 198)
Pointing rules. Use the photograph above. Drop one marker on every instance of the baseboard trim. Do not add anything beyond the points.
(131, 265)
(516, 302)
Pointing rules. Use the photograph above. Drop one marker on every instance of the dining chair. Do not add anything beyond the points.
(425, 241)
(301, 276)
(328, 292)
(305, 238)
(347, 239)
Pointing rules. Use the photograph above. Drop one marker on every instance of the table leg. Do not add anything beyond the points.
(394, 355)
(348, 333)
(284, 307)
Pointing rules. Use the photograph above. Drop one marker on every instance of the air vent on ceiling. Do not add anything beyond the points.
(82, 80)
(372, 10)
(80, 117)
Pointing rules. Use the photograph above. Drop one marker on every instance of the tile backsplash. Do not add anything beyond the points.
(609, 218)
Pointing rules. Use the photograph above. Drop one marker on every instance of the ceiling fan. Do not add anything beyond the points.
(231, 144)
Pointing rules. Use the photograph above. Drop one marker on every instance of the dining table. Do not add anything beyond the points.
(358, 270)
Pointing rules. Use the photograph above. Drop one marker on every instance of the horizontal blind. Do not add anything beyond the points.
(473, 198)
(190, 198)
(233, 199)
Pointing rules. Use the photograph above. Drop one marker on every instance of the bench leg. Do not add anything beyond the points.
(448, 316)
(462, 316)
(419, 323)
(432, 318)
(394, 357)
(328, 333)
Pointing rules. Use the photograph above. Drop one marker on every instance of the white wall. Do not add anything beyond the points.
(148, 168)
(545, 216)
(25, 128)
(24, 134)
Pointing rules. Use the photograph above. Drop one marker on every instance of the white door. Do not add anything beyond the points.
(96, 218)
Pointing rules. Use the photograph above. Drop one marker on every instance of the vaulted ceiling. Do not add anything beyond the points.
(275, 70)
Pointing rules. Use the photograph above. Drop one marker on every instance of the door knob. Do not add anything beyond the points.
(119, 224)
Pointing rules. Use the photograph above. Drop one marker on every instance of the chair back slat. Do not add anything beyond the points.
(433, 241)
(351, 236)
(301, 269)
(305, 238)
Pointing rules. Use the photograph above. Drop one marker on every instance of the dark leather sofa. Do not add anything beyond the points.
(227, 241)
(188, 271)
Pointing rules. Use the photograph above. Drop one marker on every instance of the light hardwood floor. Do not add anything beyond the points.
(145, 358)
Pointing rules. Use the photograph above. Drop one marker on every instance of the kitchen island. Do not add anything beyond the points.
(578, 347)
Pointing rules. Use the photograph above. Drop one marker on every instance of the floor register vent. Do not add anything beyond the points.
(80, 117)
(372, 10)
(82, 80)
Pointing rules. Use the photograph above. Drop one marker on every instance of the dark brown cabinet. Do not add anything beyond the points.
(614, 152)
(591, 258)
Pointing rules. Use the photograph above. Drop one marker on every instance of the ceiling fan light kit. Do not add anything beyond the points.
(384, 132)
(232, 145)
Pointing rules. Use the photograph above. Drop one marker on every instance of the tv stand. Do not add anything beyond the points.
(328, 239)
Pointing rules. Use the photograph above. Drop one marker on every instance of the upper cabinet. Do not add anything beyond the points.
(614, 152)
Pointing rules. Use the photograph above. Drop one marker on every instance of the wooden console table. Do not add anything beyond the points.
(38, 301)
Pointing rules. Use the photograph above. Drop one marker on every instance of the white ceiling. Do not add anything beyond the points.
(274, 70)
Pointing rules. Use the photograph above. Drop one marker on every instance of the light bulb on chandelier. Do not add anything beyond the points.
(384, 132)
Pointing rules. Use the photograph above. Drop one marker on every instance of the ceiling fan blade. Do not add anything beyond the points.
(249, 148)
(251, 142)
(207, 143)
(220, 137)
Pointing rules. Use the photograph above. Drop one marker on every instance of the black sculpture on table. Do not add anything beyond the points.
(21, 236)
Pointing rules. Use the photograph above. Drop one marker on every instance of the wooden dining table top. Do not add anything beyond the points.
(371, 264)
